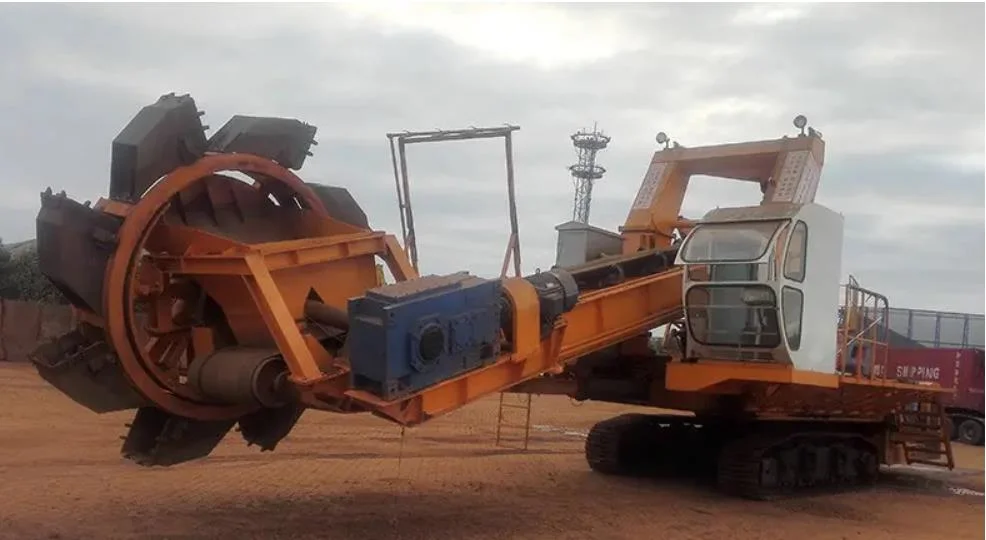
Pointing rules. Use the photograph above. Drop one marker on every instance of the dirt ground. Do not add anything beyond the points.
(348, 477)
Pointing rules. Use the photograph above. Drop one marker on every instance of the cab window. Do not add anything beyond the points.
(794, 259)
(792, 304)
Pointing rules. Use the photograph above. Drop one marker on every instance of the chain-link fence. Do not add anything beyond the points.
(939, 329)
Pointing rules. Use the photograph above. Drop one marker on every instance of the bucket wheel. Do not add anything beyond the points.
(173, 193)
(156, 322)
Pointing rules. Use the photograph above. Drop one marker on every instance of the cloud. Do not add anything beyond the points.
(547, 36)
(897, 91)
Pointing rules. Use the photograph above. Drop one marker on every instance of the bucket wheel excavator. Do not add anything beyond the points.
(214, 289)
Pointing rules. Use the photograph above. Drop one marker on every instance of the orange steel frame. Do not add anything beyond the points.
(780, 389)
(262, 289)
(656, 211)
(265, 304)
(601, 318)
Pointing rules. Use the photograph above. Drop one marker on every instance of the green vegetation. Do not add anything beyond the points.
(21, 278)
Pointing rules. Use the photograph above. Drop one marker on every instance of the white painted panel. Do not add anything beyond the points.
(650, 186)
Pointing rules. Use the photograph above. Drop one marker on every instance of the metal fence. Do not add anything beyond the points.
(939, 329)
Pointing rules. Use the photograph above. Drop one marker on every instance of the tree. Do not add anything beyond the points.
(21, 278)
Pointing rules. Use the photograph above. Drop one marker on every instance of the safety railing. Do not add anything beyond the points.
(863, 335)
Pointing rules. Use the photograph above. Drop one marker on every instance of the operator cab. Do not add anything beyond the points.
(756, 278)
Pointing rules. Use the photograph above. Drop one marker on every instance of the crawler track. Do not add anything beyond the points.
(777, 466)
(620, 445)
(771, 466)
(774, 463)
(633, 444)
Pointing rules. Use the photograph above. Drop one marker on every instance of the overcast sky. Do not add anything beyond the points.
(897, 91)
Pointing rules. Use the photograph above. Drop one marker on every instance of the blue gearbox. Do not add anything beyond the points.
(410, 335)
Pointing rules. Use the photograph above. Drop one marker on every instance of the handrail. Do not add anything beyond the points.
(863, 333)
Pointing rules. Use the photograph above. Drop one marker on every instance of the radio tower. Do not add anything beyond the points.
(586, 172)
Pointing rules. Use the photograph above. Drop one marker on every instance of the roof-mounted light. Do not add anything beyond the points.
(662, 138)
(800, 122)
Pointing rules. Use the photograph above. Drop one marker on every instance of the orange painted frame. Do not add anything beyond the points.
(140, 218)
(650, 223)
(256, 265)
(601, 318)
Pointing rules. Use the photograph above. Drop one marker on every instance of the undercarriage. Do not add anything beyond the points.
(757, 459)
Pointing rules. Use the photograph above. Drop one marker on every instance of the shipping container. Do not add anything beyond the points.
(959, 369)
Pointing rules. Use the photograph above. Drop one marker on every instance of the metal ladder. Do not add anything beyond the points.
(516, 402)
(924, 434)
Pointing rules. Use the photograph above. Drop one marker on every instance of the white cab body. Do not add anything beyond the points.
(762, 284)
